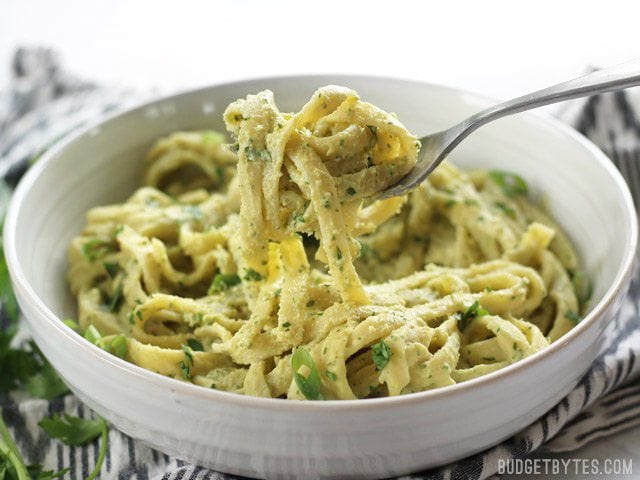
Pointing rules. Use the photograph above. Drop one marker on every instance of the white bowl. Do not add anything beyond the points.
(276, 438)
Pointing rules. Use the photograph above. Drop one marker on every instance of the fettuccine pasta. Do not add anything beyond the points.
(266, 267)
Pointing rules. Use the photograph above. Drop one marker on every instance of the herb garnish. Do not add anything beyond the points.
(506, 209)
(250, 275)
(331, 376)
(116, 300)
(470, 313)
(510, 183)
(195, 345)
(381, 354)
(78, 431)
(310, 385)
(71, 430)
(187, 363)
(583, 286)
(254, 154)
(222, 282)
(573, 316)
(97, 248)
(115, 345)
(112, 268)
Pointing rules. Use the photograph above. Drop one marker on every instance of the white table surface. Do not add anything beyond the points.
(497, 48)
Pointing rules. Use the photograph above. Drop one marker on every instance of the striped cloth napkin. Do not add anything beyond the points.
(43, 102)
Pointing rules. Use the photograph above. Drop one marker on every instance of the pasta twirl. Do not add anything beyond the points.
(232, 259)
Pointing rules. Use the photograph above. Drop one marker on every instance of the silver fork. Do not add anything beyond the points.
(437, 146)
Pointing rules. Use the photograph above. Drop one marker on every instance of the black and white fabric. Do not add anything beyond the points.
(43, 103)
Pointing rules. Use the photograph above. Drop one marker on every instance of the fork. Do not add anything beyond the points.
(437, 146)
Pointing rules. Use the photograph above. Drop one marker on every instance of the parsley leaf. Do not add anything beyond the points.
(12, 464)
(195, 345)
(222, 282)
(78, 431)
(187, 363)
(112, 268)
(310, 385)
(7, 297)
(116, 301)
(506, 209)
(573, 316)
(97, 248)
(381, 354)
(36, 472)
(46, 384)
(72, 430)
(510, 183)
(250, 275)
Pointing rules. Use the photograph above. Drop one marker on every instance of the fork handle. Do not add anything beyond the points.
(605, 80)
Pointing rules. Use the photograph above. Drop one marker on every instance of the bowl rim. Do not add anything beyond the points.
(20, 282)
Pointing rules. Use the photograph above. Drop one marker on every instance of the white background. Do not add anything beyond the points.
(497, 48)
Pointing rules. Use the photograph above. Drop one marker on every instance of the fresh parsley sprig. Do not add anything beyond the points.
(12, 464)
(28, 368)
(77, 431)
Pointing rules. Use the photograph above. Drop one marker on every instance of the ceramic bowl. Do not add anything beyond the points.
(342, 439)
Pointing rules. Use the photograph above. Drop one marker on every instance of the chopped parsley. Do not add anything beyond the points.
(186, 364)
(351, 191)
(582, 285)
(112, 268)
(250, 275)
(116, 300)
(254, 154)
(506, 209)
(97, 248)
(381, 354)
(298, 218)
(510, 183)
(331, 376)
(222, 282)
(573, 316)
(195, 345)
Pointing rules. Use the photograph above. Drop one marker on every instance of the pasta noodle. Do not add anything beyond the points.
(267, 268)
